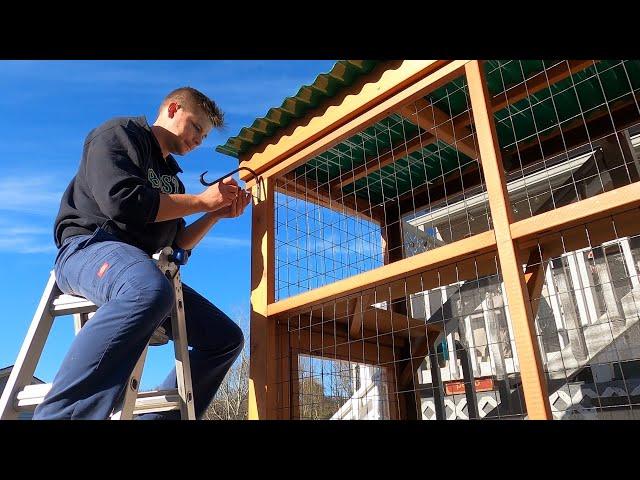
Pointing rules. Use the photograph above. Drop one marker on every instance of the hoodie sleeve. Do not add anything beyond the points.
(115, 174)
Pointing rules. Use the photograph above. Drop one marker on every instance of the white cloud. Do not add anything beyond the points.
(26, 239)
(30, 194)
(225, 242)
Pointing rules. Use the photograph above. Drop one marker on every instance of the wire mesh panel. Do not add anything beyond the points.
(588, 309)
(440, 344)
(567, 129)
(405, 184)
(435, 345)
(316, 245)
(341, 390)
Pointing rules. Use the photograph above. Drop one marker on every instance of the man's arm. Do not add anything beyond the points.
(176, 205)
(215, 197)
(191, 235)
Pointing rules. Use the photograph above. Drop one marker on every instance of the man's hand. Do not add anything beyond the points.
(237, 205)
(189, 237)
(220, 195)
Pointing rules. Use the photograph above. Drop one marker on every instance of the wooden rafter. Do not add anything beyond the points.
(572, 135)
(375, 163)
(534, 278)
(437, 123)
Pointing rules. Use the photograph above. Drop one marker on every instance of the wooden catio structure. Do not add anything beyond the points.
(446, 239)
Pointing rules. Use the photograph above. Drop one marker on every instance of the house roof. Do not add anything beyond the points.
(6, 371)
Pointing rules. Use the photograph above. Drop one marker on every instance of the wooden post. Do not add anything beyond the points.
(533, 378)
(262, 378)
(402, 404)
(534, 277)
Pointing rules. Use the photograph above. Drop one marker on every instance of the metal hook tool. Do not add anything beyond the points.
(255, 175)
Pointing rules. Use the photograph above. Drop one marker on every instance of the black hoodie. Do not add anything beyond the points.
(118, 186)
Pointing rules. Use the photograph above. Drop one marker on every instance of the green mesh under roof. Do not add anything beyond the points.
(326, 85)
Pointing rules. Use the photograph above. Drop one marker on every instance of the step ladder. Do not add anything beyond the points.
(19, 396)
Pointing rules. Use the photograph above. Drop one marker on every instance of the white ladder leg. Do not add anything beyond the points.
(30, 352)
(180, 344)
(124, 411)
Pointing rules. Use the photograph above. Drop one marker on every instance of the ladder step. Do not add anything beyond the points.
(31, 396)
(68, 304)
(157, 401)
(151, 401)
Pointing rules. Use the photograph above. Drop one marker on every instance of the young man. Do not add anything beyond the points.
(124, 204)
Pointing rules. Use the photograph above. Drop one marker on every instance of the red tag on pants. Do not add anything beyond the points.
(103, 269)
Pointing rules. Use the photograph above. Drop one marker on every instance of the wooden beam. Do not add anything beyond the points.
(355, 329)
(446, 186)
(562, 218)
(419, 349)
(286, 374)
(532, 371)
(391, 234)
(481, 265)
(373, 321)
(379, 99)
(394, 399)
(376, 163)
(294, 384)
(334, 347)
(401, 270)
(437, 123)
(556, 242)
(380, 322)
(534, 278)
(262, 381)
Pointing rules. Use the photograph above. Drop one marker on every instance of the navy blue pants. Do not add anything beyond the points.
(134, 298)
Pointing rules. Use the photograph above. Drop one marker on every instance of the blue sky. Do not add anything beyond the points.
(48, 107)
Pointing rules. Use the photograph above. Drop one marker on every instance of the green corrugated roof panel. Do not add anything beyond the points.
(326, 85)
